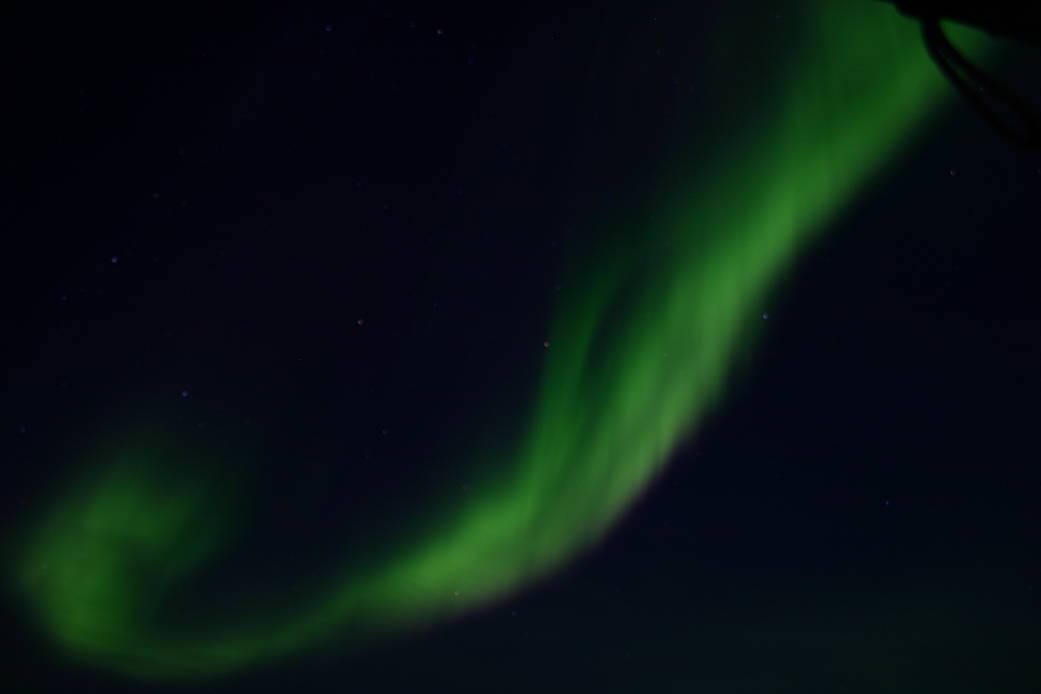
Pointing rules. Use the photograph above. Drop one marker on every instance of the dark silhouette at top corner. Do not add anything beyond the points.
(1011, 115)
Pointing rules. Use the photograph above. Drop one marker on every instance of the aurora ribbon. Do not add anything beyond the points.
(641, 347)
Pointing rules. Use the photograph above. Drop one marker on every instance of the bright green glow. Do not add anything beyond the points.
(637, 358)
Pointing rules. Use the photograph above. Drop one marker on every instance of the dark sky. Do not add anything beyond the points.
(348, 227)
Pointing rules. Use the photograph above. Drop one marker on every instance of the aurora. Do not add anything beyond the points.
(639, 350)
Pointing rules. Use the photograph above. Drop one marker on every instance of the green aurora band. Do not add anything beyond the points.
(637, 359)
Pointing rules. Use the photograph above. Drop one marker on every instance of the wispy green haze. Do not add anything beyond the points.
(638, 356)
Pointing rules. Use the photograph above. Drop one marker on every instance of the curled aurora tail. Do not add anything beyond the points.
(637, 359)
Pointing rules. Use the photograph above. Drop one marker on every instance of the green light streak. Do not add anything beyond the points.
(637, 359)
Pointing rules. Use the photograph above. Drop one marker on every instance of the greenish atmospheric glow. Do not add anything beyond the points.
(637, 358)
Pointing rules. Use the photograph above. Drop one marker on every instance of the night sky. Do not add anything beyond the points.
(307, 271)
